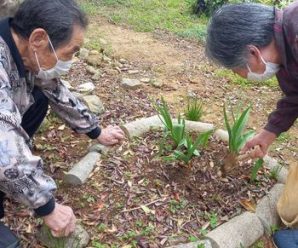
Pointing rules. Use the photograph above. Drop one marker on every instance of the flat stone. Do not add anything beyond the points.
(84, 53)
(132, 71)
(157, 83)
(206, 244)
(106, 59)
(145, 80)
(99, 148)
(123, 61)
(86, 87)
(79, 174)
(140, 126)
(222, 135)
(273, 165)
(266, 209)
(94, 59)
(94, 103)
(91, 70)
(244, 230)
(131, 83)
(94, 52)
(78, 239)
(96, 76)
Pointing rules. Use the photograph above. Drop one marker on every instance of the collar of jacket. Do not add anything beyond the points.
(6, 35)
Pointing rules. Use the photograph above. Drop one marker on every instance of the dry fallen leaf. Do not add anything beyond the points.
(248, 204)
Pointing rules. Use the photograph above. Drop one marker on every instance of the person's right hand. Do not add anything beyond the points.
(61, 221)
(263, 140)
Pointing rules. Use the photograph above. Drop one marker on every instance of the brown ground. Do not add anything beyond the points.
(122, 180)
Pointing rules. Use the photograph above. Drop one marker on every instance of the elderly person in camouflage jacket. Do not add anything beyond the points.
(36, 47)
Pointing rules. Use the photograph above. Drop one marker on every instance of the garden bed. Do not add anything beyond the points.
(151, 202)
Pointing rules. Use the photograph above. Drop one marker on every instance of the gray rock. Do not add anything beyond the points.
(86, 88)
(243, 230)
(94, 59)
(157, 83)
(145, 80)
(9, 7)
(94, 103)
(90, 69)
(222, 135)
(140, 126)
(84, 53)
(99, 148)
(96, 76)
(81, 171)
(94, 52)
(280, 171)
(78, 239)
(132, 72)
(266, 209)
(123, 61)
(106, 59)
(131, 83)
(206, 244)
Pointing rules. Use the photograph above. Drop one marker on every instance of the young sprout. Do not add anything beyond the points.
(194, 110)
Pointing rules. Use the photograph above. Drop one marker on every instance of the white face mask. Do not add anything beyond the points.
(270, 71)
(61, 67)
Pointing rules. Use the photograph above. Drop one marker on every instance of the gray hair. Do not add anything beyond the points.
(56, 17)
(233, 27)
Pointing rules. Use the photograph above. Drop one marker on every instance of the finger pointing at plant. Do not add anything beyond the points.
(111, 135)
(263, 139)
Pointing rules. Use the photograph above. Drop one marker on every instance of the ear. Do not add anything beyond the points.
(254, 54)
(39, 39)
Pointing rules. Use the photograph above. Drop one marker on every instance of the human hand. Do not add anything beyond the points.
(61, 221)
(261, 141)
(111, 135)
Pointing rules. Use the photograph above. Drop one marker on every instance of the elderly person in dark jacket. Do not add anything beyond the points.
(36, 48)
(259, 42)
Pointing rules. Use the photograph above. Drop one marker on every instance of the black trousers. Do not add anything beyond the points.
(31, 122)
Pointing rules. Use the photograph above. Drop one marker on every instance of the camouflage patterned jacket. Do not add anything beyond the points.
(21, 173)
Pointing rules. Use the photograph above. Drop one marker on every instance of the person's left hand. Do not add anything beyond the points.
(111, 135)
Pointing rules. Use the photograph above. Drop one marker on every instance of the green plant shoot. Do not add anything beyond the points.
(194, 110)
(237, 137)
(176, 131)
(257, 166)
(192, 147)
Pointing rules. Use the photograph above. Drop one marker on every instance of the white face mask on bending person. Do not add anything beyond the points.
(270, 71)
(61, 67)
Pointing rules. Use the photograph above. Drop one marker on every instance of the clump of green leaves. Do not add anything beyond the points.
(185, 147)
(175, 131)
(194, 110)
(190, 148)
(237, 136)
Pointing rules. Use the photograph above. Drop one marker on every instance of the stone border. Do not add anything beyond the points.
(244, 229)
(141, 126)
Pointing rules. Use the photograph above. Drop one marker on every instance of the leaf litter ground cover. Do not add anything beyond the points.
(140, 199)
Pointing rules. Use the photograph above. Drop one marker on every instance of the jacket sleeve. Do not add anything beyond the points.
(21, 173)
(70, 109)
(284, 116)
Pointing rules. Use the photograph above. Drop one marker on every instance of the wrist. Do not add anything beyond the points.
(46, 209)
(95, 133)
